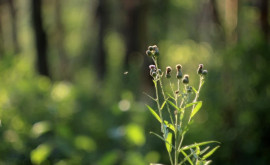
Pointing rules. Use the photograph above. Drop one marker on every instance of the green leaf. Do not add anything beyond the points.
(40, 154)
(162, 106)
(169, 125)
(190, 104)
(204, 150)
(197, 144)
(194, 90)
(187, 157)
(170, 96)
(194, 154)
(210, 153)
(169, 140)
(196, 109)
(207, 162)
(198, 151)
(149, 96)
(154, 113)
(173, 105)
(160, 137)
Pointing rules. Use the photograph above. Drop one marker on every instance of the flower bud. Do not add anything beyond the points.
(168, 69)
(150, 48)
(154, 74)
(200, 69)
(148, 53)
(178, 67)
(189, 89)
(185, 80)
(153, 67)
(179, 74)
(168, 72)
(204, 72)
(159, 72)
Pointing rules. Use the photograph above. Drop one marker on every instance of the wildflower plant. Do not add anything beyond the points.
(175, 112)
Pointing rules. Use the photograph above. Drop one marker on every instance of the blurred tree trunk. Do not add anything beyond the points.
(264, 10)
(135, 22)
(41, 38)
(102, 14)
(13, 14)
(231, 20)
(60, 33)
(135, 29)
(1, 33)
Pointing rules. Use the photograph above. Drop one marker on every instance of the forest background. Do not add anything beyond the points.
(73, 73)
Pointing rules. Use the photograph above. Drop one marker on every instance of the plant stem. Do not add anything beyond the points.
(162, 91)
(197, 96)
(158, 104)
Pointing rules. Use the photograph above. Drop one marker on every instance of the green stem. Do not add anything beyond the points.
(158, 104)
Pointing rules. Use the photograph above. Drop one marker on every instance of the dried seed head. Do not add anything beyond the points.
(185, 80)
(204, 72)
(178, 67)
(200, 69)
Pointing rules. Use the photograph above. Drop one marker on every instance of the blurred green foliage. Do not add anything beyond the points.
(75, 118)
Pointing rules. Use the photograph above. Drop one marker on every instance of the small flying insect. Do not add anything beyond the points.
(126, 72)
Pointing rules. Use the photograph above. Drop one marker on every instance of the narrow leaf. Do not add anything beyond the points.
(169, 144)
(160, 137)
(198, 151)
(149, 96)
(170, 96)
(190, 104)
(196, 109)
(185, 159)
(169, 125)
(188, 159)
(197, 144)
(162, 106)
(173, 105)
(210, 153)
(204, 150)
(194, 154)
(154, 113)
(194, 90)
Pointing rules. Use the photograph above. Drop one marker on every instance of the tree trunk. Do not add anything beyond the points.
(60, 33)
(41, 38)
(231, 20)
(102, 15)
(264, 18)
(13, 15)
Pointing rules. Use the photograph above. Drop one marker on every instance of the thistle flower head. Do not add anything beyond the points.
(168, 69)
(178, 67)
(204, 72)
(152, 67)
(185, 80)
(168, 72)
(152, 51)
